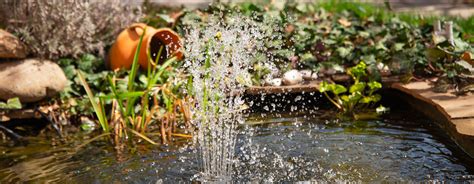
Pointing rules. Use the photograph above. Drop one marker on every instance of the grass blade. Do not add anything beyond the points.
(123, 95)
(160, 71)
(98, 108)
(134, 70)
(143, 136)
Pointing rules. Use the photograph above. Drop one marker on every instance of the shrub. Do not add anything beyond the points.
(54, 29)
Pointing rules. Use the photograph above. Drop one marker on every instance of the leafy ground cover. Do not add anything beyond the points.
(332, 36)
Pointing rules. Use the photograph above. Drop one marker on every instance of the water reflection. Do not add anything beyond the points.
(272, 149)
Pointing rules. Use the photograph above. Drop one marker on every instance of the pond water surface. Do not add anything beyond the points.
(273, 148)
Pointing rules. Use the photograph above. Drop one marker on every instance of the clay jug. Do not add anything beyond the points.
(123, 50)
(164, 38)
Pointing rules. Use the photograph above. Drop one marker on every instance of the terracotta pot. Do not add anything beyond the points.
(165, 37)
(123, 50)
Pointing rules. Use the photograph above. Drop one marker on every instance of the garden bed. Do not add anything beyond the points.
(176, 74)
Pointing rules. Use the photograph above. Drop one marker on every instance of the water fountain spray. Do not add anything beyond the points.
(218, 58)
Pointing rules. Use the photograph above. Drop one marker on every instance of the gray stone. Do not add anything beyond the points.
(31, 80)
(11, 46)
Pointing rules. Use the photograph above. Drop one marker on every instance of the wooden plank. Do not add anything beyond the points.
(453, 113)
(464, 126)
(307, 86)
(454, 106)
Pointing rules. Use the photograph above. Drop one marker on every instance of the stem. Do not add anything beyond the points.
(333, 102)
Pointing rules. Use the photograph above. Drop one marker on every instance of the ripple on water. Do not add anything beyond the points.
(276, 149)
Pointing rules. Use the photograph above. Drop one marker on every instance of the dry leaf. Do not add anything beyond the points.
(290, 28)
(344, 22)
(467, 56)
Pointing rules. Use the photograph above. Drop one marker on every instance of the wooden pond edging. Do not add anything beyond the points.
(455, 114)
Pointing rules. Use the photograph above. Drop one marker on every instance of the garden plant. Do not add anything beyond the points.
(344, 53)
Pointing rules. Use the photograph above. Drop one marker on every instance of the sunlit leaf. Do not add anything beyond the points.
(12, 103)
(338, 89)
(373, 85)
(358, 87)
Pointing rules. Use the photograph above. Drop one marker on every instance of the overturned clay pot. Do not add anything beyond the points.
(122, 52)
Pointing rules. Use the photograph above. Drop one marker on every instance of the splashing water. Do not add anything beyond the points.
(218, 58)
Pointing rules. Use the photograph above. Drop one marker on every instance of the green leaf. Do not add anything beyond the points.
(371, 99)
(334, 88)
(352, 98)
(434, 54)
(381, 109)
(338, 89)
(357, 87)
(345, 98)
(398, 46)
(343, 51)
(307, 58)
(466, 66)
(324, 87)
(98, 107)
(134, 69)
(302, 7)
(166, 18)
(11, 104)
(374, 85)
(124, 95)
(358, 71)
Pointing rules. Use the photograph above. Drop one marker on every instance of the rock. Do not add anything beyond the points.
(314, 76)
(31, 80)
(273, 82)
(11, 46)
(306, 74)
(309, 75)
(292, 77)
(383, 69)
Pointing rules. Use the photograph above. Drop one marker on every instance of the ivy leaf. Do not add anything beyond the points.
(466, 65)
(398, 46)
(435, 54)
(380, 46)
(460, 45)
(301, 7)
(12, 103)
(166, 18)
(343, 51)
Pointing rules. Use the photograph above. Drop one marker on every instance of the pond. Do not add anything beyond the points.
(274, 147)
